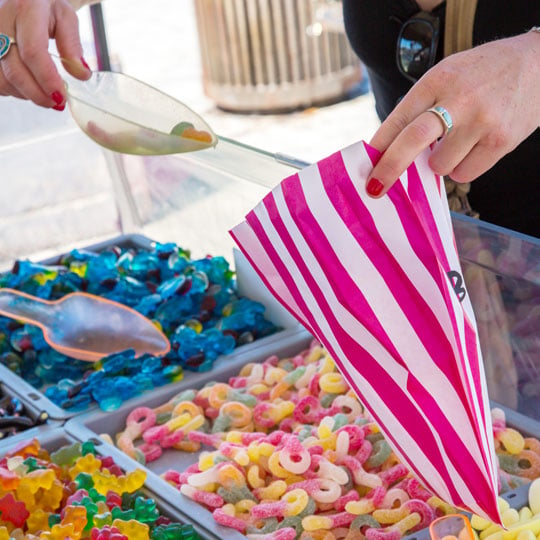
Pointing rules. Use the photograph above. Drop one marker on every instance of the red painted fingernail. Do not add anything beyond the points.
(59, 107)
(83, 62)
(57, 97)
(374, 187)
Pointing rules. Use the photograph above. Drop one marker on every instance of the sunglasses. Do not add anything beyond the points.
(416, 48)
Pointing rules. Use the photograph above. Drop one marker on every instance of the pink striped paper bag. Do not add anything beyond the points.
(379, 283)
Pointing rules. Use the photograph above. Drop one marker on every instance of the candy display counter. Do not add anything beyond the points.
(192, 201)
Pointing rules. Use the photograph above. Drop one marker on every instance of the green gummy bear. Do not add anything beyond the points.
(66, 455)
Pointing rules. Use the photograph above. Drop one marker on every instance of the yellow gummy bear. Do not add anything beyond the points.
(86, 464)
(38, 520)
(76, 516)
(134, 530)
(61, 532)
(4, 533)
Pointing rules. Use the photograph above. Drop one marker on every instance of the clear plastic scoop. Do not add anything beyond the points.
(451, 527)
(85, 326)
(129, 116)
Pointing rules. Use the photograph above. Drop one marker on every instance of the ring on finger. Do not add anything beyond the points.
(5, 44)
(444, 116)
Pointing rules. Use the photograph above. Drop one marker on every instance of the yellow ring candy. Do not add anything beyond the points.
(333, 383)
(297, 500)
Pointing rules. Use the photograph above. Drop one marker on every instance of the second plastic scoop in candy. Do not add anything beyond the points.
(129, 116)
(85, 326)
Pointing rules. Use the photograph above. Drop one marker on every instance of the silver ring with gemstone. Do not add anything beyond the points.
(5, 44)
(444, 116)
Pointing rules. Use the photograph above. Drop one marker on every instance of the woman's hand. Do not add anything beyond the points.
(27, 70)
(492, 93)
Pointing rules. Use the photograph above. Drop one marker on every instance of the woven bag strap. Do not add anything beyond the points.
(458, 30)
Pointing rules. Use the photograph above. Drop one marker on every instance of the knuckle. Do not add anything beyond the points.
(419, 133)
(388, 170)
(496, 140)
(439, 166)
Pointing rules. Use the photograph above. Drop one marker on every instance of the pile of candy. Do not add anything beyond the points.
(15, 418)
(192, 301)
(74, 493)
(522, 524)
(295, 453)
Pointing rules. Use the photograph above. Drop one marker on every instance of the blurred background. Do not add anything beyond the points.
(277, 75)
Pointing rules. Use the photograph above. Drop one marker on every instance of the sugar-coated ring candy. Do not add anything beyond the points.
(263, 526)
(280, 534)
(183, 407)
(351, 495)
(228, 520)
(316, 523)
(144, 417)
(296, 501)
(203, 478)
(394, 497)
(387, 516)
(529, 464)
(239, 413)
(307, 410)
(342, 444)
(303, 381)
(356, 435)
(381, 452)
(151, 451)
(327, 491)
(333, 383)
(212, 500)
(382, 534)
(441, 507)
(296, 461)
(254, 478)
(273, 491)
(273, 375)
(512, 440)
(410, 523)
(275, 468)
(317, 535)
(363, 506)
(365, 521)
(218, 395)
(325, 469)
(426, 513)
(230, 476)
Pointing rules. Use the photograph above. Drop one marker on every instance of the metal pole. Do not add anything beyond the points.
(100, 38)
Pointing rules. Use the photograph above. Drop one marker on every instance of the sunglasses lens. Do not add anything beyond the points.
(415, 46)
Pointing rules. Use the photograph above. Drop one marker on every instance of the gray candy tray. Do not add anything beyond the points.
(53, 439)
(91, 425)
(248, 284)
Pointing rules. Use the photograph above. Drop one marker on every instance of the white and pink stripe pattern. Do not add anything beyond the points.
(370, 279)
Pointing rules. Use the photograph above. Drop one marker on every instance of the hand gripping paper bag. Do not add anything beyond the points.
(379, 283)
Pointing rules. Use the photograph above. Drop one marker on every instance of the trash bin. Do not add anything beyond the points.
(272, 55)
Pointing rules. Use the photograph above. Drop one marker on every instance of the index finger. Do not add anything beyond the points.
(33, 41)
(402, 151)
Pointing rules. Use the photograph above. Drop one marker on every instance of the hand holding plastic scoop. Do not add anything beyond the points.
(129, 116)
(85, 326)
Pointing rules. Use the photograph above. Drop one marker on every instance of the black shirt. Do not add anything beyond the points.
(509, 193)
